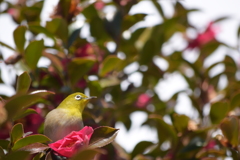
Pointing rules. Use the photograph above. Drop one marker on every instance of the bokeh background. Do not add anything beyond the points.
(144, 59)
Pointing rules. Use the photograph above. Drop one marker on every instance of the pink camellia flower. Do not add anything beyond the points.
(202, 38)
(74, 141)
(143, 100)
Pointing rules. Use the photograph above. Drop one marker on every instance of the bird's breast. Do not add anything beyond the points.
(60, 122)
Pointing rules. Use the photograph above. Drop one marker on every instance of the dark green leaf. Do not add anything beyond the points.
(90, 12)
(24, 113)
(194, 144)
(113, 27)
(97, 29)
(230, 129)
(86, 154)
(130, 20)
(38, 156)
(34, 148)
(180, 122)
(1, 152)
(73, 37)
(235, 101)
(4, 144)
(109, 64)
(147, 53)
(33, 53)
(102, 136)
(16, 132)
(30, 140)
(23, 83)
(140, 148)
(79, 67)
(19, 37)
(21, 155)
(218, 111)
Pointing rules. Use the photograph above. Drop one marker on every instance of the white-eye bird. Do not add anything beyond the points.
(67, 117)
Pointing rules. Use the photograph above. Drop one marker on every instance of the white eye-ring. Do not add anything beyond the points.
(78, 97)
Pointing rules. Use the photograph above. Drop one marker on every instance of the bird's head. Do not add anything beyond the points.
(76, 100)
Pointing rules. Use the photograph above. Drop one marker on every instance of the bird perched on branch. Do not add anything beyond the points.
(67, 117)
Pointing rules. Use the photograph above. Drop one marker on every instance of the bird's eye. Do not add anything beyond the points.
(78, 97)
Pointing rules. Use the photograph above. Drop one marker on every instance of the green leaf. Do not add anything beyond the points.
(4, 144)
(180, 122)
(238, 32)
(17, 103)
(165, 131)
(90, 12)
(221, 19)
(109, 81)
(113, 27)
(159, 8)
(33, 53)
(38, 156)
(109, 64)
(21, 155)
(30, 140)
(218, 111)
(23, 83)
(19, 37)
(147, 53)
(16, 132)
(39, 29)
(58, 27)
(130, 20)
(7, 46)
(25, 113)
(86, 154)
(42, 93)
(34, 148)
(54, 60)
(102, 136)
(79, 67)
(1, 152)
(140, 148)
(75, 34)
(230, 129)
(235, 101)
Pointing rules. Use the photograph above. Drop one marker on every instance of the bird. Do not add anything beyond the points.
(67, 117)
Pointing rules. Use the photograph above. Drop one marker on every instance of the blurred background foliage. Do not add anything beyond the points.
(98, 65)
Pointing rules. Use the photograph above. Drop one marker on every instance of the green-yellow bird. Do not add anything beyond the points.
(67, 117)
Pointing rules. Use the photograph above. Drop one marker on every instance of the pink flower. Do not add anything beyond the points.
(70, 144)
(143, 100)
(202, 38)
(99, 5)
(210, 144)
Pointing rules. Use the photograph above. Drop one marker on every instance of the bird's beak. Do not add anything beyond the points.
(91, 97)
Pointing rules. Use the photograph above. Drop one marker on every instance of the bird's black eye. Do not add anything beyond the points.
(78, 97)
